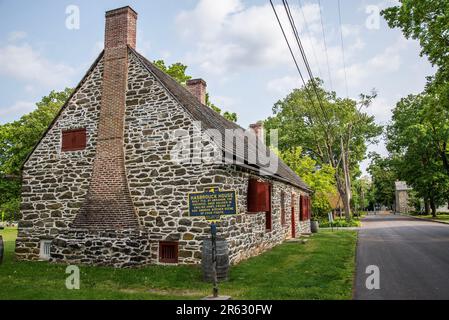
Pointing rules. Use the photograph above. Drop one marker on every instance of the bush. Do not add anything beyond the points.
(341, 223)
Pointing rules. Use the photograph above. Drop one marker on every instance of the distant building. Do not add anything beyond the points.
(402, 197)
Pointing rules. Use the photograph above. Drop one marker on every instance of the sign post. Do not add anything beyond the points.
(213, 232)
(213, 204)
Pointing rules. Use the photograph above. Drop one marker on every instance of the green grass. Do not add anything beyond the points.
(323, 268)
(442, 217)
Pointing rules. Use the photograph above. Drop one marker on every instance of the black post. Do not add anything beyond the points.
(213, 231)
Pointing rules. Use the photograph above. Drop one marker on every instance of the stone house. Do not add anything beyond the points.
(106, 184)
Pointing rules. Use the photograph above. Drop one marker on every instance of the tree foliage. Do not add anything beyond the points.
(320, 178)
(417, 138)
(178, 72)
(335, 132)
(383, 177)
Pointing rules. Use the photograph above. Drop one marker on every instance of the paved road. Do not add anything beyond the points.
(412, 256)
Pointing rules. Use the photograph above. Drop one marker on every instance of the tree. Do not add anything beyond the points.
(418, 139)
(426, 21)
(383, 177)
(319, 178)
(178, 72)
(333, 132)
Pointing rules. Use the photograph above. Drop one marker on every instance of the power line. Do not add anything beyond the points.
(303, 53)
(309, 34)
(291, 52)
(325, 46)
(343, 48)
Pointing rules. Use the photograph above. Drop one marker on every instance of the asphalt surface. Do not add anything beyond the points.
(412, 256)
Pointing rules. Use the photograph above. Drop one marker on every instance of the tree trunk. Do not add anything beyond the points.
(427, 206)
(434, 208)
(347, 182)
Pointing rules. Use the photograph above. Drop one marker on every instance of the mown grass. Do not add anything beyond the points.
(442, 217)
(322, 268)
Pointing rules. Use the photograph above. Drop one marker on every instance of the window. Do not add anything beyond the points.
(282, 208)
(259, 196)
(44, 253)
(73, 140)
(168, 252)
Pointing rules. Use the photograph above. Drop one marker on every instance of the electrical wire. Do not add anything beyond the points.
(325, 46)
(343, 48)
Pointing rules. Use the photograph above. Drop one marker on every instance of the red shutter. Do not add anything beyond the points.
(293, 216)
(259, 197)
(73, 140)
(302, 206)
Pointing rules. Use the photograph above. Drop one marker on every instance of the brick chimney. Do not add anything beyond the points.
(120, 28)
(108, 203)
(257, 128)
(197, 87)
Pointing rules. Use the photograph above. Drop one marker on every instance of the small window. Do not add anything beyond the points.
(44, 253)
(168, 252)
(268, 222)
(73, 140)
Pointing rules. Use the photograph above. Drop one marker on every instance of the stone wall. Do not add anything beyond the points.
(102, 247)
(55, 183)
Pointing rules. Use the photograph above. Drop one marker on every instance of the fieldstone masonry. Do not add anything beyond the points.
(57, 186)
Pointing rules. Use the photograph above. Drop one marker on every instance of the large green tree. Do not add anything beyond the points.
(417, 140)
(332, 130)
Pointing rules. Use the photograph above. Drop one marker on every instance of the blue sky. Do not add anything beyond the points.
(235, 45)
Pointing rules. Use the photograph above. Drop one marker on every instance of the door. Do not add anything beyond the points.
(293, 217)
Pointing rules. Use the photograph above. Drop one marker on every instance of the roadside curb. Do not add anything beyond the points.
(424, 219)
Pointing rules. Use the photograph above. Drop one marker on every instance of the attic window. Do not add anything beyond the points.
(73, 140)
(259, 196)
(168, 252)
(44, 253)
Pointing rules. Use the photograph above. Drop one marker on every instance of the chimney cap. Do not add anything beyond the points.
(196, 81)
(120, 10)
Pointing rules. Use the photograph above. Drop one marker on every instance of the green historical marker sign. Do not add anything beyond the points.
(212, 203)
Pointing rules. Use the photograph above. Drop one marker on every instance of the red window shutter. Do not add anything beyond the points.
(259, 196)
(74, 140)
(168, 252)
(302, 201)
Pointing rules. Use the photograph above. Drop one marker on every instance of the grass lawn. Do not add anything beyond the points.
(323, 268)
(442, 217)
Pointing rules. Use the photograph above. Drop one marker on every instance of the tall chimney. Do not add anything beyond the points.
(197, 87)
(257, 128)
(120, 28)
(108, 203)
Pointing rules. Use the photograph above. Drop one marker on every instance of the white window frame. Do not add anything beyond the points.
(44, 252)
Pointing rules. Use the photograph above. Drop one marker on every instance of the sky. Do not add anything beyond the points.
(236, 46)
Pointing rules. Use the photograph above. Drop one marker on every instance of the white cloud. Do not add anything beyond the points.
(230, 37)
(23, 63)
(282, 86)
(16, 110)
